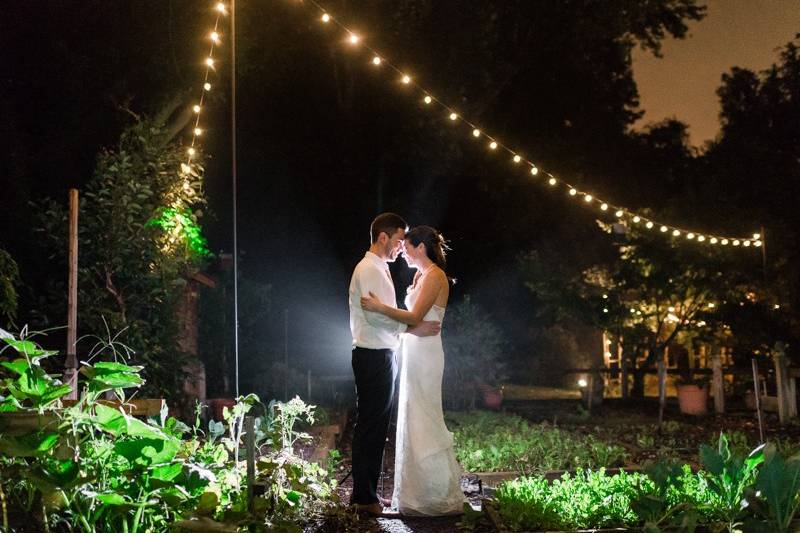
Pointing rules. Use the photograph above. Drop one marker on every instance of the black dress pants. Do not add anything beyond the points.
(375, 372)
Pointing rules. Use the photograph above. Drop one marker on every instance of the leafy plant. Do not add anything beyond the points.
(778, 482)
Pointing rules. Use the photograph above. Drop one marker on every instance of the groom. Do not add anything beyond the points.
(375, 338)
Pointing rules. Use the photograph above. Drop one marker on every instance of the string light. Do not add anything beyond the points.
(196, 108)
(210, 62)
(221, 8)
(214, 36)
(621, 213)
(207, 86)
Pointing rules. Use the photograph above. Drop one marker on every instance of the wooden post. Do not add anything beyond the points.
(717, 383)
(787, 403)
(590, 397)
(71, 363)
(250, 440)
(757, 389)
(662, 390)
(308, 383)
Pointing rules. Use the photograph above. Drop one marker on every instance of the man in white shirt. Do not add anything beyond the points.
(375, 338)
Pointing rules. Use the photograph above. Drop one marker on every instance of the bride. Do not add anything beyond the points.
(427, 475)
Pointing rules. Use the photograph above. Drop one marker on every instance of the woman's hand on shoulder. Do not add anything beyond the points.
(371, 303)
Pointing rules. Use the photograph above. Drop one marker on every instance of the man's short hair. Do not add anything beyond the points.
(387, 223)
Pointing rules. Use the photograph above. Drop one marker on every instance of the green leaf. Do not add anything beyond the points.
(167, 472)
(30, 445)
(145, 452)
(112, 499)
(18, 366)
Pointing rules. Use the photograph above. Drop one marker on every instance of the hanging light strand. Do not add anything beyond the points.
(216, 39)
(625, 215)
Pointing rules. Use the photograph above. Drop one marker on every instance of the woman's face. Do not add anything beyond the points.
(412, 253)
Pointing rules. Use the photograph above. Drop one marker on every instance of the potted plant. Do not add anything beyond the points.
(692, 395)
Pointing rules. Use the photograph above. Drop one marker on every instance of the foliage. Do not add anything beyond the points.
(487, 441)
(9, 280)
(98, 468)
(580, 501)
(473, 345)
(139, 240)
(779, 484)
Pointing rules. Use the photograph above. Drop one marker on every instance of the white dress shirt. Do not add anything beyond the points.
(373, 330)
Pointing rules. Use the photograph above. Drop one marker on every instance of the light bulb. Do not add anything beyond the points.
(675, 233)
(573, 192)
(746, 244)
(690, 236)
(453, 116)
(191, 151)
(210, 62)
(637, 219)
(736, 242)
(196, 108)
(476, 132)
(535, 170)
(207, 86)
(724, 242)
(428, 99)
(406, 79)
(376, 60)
(198, 131)
(713, 240)
(604, 206)
(649, 224)
(663, 229)
(756, 236)
(185, 169)
(587, 198)
(551, 181)
(619, 213)
(326, 18)
(517, 159)
(701, 238)
(756, 243)
(221, 7)
(354, 38)
(215, 37)
(493, 145)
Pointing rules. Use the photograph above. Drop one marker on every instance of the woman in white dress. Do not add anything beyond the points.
(426, 476)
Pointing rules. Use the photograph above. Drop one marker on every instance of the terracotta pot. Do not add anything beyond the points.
(492, 398)
(216, 405)
(693, 399)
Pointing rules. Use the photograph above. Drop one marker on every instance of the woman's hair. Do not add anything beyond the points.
(435, 245)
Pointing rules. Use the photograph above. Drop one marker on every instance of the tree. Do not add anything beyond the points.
(9, 279)
(139, 238)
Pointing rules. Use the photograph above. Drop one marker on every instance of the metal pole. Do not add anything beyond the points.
(235, 201)
(756, 388)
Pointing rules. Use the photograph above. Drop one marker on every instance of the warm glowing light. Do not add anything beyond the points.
(196, 108)
(453, 116)
(724, 242)
(604, 206)
(406, 79)
(713, 240)
(649, 224)
(671, 309)
(551, 181)
(517, 159)
(493, 145)
(354, 38)
(198, 131)
(690, 236)
(701, 238)
(326, 18)
(746, 244)
(376, 60)
(476, 132)
(663, 229)
(535, 170)
(736, 242)
(605, 297)
(756, 243)
(185, 169)
(207, 86)
(711, 305)
(637, 219)
(191, 151)
(573, 192)
(605, 310)
(210, 62)
(756, 236)
(214, 37)
(776, 306)
(428, 99)
(582, 383)
(587, 198)
(675, 233)
(221, 7)
(619, 213)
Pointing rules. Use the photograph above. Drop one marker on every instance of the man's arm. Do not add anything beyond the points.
(372, 279)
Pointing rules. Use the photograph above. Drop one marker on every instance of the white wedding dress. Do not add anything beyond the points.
(427, 477)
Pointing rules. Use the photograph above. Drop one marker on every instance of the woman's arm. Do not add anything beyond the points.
(431, 285)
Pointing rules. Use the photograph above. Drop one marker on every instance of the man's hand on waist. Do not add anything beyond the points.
(425, 328)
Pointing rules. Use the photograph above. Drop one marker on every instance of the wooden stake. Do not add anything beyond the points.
(757, 388)
(71, 364)
(662, 391)
(717, 383)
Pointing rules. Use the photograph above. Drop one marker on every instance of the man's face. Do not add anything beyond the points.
(395, 244)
